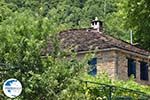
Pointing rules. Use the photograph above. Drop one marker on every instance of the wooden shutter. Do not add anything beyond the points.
(92, 67)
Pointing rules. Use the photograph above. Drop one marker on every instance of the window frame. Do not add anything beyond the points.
(92, 66)
(144, 73)
(131, 67)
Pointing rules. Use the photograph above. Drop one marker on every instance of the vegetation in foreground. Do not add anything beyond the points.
(24, 28)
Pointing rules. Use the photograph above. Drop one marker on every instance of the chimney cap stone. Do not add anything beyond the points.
(97, 24)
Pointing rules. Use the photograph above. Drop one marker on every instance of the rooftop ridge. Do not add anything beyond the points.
(86, 39)
(107, 36)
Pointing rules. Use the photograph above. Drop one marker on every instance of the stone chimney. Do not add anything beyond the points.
(97, 24)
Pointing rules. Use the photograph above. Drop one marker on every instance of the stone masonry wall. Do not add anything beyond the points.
(106, 63)
(122, 64)
(115, 64)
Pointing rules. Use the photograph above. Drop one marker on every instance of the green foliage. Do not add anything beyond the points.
(140, 21)
(25, 27)
(119, 16)
(100, 89)
(136, 13)
(23, 36)
(5, 11)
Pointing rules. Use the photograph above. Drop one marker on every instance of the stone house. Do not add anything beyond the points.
(116, 57)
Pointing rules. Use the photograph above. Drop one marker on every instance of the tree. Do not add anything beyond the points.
(116, 21)
(5, 11)
(25, 28)
(139, 21)
(23, 37)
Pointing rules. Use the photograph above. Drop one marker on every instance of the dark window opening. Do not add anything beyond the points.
(143, 71)
(95, 23)
(101, 23)
(92, 23)
(92, 69)
(131, 68)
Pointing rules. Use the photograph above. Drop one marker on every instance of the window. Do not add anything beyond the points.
(92, 70)
(95, 22)
(143, 71)
(131, 68)
(92, 23)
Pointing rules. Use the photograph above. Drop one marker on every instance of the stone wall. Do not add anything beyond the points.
(114, 62)
(106, 62)
(122, 64)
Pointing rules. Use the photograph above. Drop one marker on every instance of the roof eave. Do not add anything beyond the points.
(117, 49)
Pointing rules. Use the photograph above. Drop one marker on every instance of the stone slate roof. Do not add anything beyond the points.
(88, 39)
